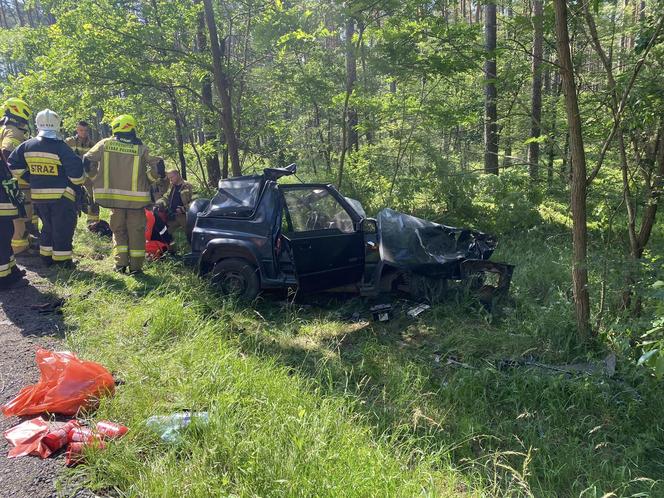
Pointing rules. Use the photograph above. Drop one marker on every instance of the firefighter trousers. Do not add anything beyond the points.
(7, 263)
(128, 226)
(20, 240)
(58, 224)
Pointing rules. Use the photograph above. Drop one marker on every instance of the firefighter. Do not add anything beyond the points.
(14, 131)
(80, 143)
(158, 189)
(176, 200)
(122, 176)
(55, 175)
(10, 201)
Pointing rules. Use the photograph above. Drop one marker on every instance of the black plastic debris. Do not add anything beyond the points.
(381, 312)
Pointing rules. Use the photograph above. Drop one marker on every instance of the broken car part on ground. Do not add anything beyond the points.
(257, 233)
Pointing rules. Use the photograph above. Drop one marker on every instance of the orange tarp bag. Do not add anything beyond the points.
(66, 384)
(154, 249)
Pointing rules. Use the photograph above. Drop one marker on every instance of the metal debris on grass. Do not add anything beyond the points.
(607, 367)
(417, 310)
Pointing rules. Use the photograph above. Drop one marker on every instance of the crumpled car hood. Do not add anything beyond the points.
(425, 247)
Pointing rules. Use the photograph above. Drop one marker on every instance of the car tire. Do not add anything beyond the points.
(237, 278)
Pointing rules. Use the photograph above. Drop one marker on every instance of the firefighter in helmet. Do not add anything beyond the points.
(80, 143)
(13, 131)
(55, 175)
(10, 202)
(122, 170)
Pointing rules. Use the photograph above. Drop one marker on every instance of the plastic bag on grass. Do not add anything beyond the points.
(66, 384)
(26, 438)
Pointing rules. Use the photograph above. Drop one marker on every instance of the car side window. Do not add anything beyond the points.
(316, 209)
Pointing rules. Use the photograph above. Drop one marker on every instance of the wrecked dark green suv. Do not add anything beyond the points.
(257, 233)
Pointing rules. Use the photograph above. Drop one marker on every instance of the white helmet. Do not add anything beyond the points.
(48, 120)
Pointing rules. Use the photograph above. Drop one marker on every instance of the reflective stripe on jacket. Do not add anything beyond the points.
(7, 209)
(11, 136)
(49, 166)
(123, 173)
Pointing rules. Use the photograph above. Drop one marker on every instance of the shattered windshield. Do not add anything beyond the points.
(237, 196)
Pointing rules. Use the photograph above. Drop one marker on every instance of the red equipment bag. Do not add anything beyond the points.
(66, 384)
(154, 249)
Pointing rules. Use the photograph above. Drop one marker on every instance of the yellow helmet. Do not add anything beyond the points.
(123, 124)
(17, 108)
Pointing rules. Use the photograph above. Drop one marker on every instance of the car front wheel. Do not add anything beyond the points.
(236, 277)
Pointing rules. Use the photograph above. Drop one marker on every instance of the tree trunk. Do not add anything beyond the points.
(370, 118)
(351, 78)
(28, 14)
(490, 108)
(179, 137)
(630, 206)
(650, 211)
(506, 133)
(552, 131)
(211, 160)
(536, 96)
(243, 73)
(349, 138)
(224, 168)
(578, 187)
(19, 16)
(3, 16)
(222, 84)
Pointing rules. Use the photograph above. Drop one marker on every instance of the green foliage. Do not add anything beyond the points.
(652, 341)
(406, 426)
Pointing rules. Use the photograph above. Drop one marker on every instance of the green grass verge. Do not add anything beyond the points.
(305, 402)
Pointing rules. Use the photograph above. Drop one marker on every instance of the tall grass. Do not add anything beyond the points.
(305, 402)
(271, 432)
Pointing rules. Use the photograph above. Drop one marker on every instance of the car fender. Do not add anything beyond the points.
(221, 248)
(198, 206)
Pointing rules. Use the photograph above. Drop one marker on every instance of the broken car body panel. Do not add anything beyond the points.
(428, 248)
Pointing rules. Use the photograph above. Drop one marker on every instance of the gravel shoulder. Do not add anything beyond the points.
(22, 331)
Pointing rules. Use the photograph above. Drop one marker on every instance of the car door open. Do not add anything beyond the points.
(326, 243)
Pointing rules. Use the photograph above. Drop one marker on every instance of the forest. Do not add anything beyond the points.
(539, 121)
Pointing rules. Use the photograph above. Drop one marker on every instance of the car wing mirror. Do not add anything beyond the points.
(368, 225)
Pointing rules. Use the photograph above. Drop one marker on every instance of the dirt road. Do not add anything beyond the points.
(22, 331)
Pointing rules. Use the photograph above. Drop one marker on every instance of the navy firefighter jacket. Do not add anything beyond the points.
(49, 166)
